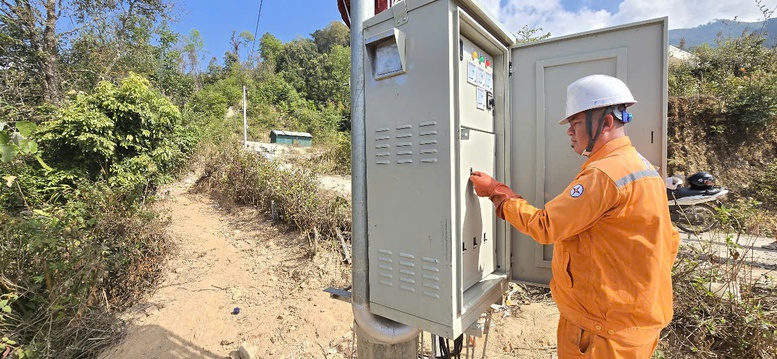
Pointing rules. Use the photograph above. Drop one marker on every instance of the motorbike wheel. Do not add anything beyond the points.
(696, 218)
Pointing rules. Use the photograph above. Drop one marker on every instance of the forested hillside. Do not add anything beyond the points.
(722, 110)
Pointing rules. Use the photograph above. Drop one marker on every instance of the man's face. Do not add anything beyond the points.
(577, 132)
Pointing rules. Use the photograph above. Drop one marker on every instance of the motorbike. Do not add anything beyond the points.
(693, 208)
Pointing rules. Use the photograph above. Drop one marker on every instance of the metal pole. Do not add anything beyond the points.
(245, 121)
(378, 337)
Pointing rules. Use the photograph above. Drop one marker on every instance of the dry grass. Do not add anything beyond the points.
(725, 300)
(288, 194)
(74, 268)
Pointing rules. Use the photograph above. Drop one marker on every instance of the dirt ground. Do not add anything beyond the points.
(233, 258)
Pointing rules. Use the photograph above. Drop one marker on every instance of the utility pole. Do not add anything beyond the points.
(245, 121)
(378, 338)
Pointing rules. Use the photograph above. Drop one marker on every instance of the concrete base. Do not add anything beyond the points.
(366, 348)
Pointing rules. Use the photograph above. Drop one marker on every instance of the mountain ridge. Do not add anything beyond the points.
(709, 32)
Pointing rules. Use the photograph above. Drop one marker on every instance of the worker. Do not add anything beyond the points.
(614, 244)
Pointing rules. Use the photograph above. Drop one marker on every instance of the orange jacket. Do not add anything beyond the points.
(614, 245)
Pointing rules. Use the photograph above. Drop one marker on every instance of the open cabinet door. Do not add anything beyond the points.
(542, 163)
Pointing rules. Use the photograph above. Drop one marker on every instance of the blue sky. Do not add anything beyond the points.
(564, 17)
(287, 19)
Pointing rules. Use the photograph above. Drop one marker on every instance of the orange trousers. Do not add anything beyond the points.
(575, 342)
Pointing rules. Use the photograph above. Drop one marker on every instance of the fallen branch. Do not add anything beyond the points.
(315, 240)
(347, 258)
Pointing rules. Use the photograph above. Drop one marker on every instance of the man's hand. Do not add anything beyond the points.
(497, 192)
(483, 183)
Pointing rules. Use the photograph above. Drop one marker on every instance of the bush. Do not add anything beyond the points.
(116, 131)
(741, 74)
(765, 186)
(331, 157)
(69, 266)
(722, 111)
(209, 104)
(723, 307)
(706, 325)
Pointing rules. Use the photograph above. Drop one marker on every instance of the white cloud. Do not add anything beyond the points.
(554, 18)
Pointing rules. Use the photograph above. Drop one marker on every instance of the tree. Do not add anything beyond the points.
(192, 47)
(336, 33)
(164, 68)
(120, 38)
(270, 48)
(214, 72)
(230, 61)
(328, 79)
(295, 57)
(526, 34)
(105, 37)
(35, 27)
(242, 39)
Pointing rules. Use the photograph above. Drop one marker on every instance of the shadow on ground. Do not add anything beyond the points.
(158, 343)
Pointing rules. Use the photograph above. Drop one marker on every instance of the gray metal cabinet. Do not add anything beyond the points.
(448, 92)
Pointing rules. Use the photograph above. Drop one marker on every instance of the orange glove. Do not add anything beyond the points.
(497, 192)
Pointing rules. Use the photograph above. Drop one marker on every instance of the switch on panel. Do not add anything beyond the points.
(477, 213)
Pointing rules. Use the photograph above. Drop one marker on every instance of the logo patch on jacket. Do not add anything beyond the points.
(577, 191)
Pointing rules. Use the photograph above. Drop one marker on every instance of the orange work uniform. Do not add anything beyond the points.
(614, 247)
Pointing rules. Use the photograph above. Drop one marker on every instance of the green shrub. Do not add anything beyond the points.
(741, 74)
(115, 131)
(276, 91)
(209, 104)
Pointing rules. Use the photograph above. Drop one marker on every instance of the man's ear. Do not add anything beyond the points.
(609, 122)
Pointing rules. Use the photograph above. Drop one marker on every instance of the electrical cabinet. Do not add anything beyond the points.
(445, 95)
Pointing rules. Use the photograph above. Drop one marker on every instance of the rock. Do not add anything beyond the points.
(234, 354)
(728, 290)
(152, 310)
(248, 351)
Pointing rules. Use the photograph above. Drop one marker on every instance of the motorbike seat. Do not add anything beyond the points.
(681, 192)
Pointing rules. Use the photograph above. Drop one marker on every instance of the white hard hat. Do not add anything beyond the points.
(596, 91)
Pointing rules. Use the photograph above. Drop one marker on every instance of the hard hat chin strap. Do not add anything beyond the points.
(589, 127)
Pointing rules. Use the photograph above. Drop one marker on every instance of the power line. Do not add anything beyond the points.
(256, 30)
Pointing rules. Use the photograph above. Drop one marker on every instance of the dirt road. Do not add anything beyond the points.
(227, 259)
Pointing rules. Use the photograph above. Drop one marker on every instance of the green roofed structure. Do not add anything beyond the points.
(302, 139)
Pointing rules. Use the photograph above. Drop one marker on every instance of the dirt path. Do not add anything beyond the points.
(228, 259)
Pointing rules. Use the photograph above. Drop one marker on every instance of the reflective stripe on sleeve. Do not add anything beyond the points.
(631, 177)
